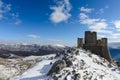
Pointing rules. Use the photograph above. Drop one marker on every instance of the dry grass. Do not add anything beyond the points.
(13, 67)
(5, 62)
(24, 63)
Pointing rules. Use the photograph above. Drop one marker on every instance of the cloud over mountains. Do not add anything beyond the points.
(60, 11)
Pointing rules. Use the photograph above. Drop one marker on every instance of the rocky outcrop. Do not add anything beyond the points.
(68, 60)
(68, 63)
(81, 65)
(77, 76)
(57, 66)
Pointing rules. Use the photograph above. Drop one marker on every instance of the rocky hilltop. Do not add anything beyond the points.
(72, 64)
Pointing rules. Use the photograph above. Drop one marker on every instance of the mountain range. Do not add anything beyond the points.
(30, 49)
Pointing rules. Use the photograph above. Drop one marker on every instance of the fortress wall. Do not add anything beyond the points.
(99, 47)
(99, 42)
(106, 53)
(94, 49)
(102, 51)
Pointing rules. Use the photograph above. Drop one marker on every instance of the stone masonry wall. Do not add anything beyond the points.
(98, 47)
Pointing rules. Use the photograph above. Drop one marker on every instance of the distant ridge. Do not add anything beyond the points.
(31, 49)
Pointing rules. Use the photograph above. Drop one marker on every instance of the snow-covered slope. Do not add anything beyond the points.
(86, 64)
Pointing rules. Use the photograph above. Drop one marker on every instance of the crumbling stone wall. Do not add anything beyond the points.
(99, 47)
(80, 42)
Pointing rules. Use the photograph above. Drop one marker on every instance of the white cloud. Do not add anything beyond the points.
(60, 11)
(33, 36)
(6, 13)
(114, 37)
(117, 24)
(84, 19)
(89, 21)
(102, 10)
(100, 36)
(4, 9)
(83, 16)
(94, 24)
(101, 25)
(104, 31)
(86, 10)
(98, 26)
(68, 5)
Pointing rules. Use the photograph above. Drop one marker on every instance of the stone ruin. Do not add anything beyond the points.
(97, 46)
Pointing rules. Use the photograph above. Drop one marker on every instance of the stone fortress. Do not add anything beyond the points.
(97, 46)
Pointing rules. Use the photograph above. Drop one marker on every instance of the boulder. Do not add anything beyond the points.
(57, 66)
(67, 61)
(77, 52)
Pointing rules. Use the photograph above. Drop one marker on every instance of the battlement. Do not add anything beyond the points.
(91, 43)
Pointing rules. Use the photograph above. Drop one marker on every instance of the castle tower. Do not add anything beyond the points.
(80, 42)
(104, 42)
(94, 37)
(87, 37)
(90, 37)
(105, 50)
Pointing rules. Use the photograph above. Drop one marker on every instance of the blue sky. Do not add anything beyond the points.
(58, 21)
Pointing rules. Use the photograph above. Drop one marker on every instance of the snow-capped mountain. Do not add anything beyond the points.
(72, 64)
(30, 49)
